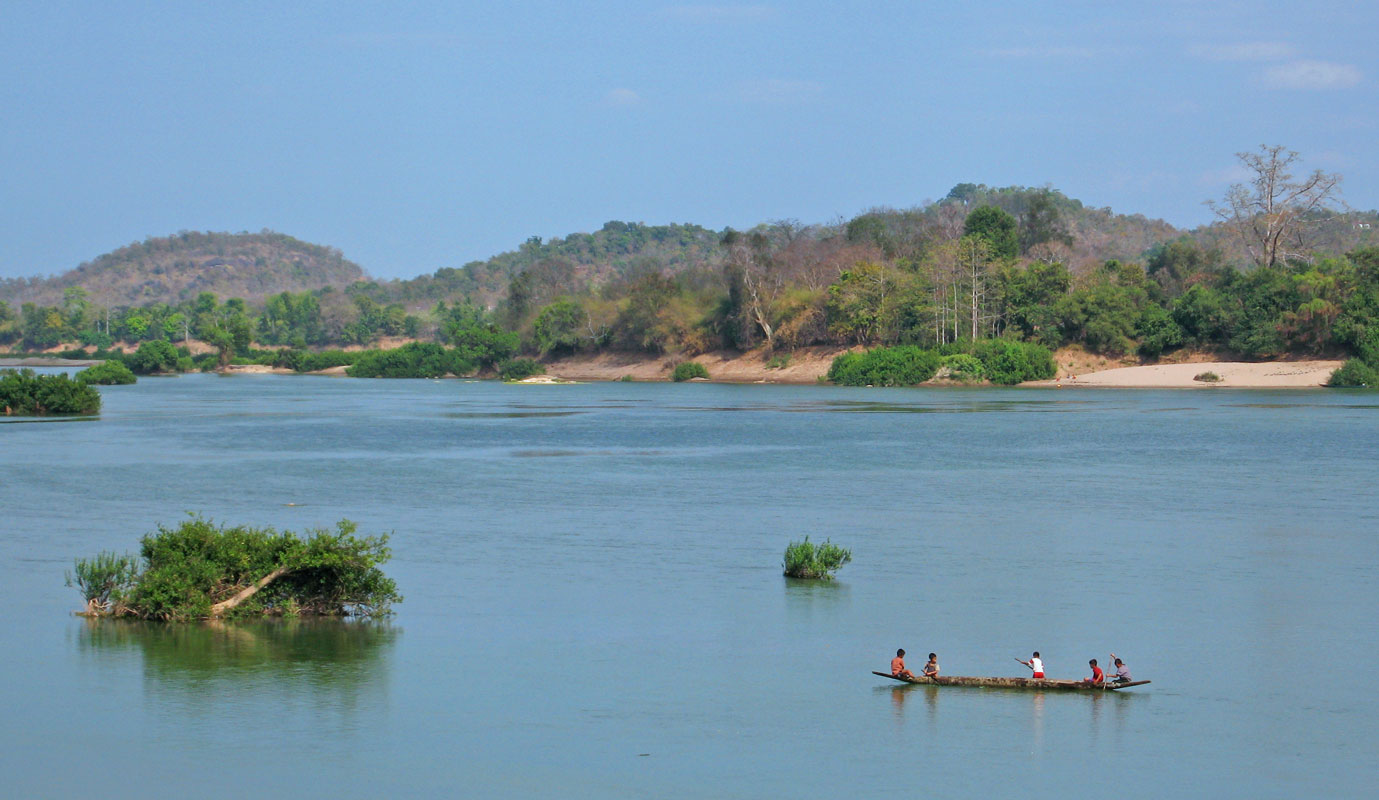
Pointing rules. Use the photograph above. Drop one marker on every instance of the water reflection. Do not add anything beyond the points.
(804, 598)
(325, 660)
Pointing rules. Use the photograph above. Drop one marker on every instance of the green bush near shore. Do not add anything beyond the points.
(688, 370)
(28, 394)
(414, 360)
(152, 357)
(906, 365)
(108, 373)
(199, 570)
(1009, 362)
(964, 367)
(808, 560)
(1355, 373)
(1207, 377)
(515, 369)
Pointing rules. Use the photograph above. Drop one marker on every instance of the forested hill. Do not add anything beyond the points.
(173, 269)
(618, 250)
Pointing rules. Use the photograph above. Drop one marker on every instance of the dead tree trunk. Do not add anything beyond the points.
(247, 592)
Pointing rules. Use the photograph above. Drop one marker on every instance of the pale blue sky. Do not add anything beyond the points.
(419, 135)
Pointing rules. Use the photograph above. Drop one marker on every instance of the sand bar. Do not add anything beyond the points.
(1233, 374)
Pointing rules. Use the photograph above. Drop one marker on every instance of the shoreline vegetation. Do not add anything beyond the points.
(987, 284)
(1075, 367)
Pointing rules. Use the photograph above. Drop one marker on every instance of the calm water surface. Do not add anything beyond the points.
(594, 606)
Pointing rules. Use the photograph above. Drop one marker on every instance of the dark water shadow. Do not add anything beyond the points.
(317, 657)
(508, 414)
(28, 420)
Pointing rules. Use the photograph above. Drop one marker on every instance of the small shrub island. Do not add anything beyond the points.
(199, 570)
(808, 560)
(28, 394)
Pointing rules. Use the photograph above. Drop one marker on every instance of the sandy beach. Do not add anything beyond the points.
(1233, 374)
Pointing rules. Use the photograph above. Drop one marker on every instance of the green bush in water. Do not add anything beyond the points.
(687, 370)
(515, 369)
(25, 393)
(199, 570)
(108, 373)
(808, 560)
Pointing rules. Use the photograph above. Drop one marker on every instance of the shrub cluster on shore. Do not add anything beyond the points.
(1002, 361)
(689, 370)
(198, 570)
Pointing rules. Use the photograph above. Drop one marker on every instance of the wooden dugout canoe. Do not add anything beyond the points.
(1012, 683)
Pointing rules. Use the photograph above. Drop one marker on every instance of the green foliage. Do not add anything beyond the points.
(904, 365)
(515, 369)
(687, 370)
(107, 373)
(1010, 362)
(808, 560)
(964, 367)
(561, 326)
(1355, 373)
(153, 357)
(412, 360)
(998, 228)
(104, 580)
(1158, 332)
(186, 570)
(27, 394)
(1207, 377)
(778, 362)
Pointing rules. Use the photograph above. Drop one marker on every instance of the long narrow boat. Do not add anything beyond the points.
(1013, 683)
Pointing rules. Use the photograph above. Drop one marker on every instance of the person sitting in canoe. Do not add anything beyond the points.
(1098, 677)
(931, 669)
(1122, 671)
(1036, 664)
(898, 666)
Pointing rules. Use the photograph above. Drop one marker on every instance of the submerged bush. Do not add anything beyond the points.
(108, 373)
(25, 393)
(199, 570)
(515, 369)
(906, 365)
(808, 560)
(687, 370)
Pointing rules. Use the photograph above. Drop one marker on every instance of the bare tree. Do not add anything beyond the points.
(1273, 213)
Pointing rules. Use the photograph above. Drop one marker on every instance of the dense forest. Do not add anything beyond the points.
(1284, 269)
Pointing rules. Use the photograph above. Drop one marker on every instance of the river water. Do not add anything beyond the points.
(594, 605)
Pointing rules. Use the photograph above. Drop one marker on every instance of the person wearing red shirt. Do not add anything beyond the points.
(1098, 677)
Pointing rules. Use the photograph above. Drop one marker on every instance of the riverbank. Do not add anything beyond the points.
(1231, 374)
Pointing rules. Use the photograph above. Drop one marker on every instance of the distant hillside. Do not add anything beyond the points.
(571, 263)
(172, 269)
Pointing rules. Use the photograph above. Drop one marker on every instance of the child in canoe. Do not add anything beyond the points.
(1036, 664)
(898, 666)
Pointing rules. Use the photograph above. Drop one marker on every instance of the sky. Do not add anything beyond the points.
(417, 135)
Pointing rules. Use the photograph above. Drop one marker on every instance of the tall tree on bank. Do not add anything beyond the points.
(998, 228)
(1272, 214)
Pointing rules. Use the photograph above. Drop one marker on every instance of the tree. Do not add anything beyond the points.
(1274, 213)
(1041, 223)
(998, 228)
(560, 326)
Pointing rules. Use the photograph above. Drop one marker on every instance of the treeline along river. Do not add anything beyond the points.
(594, 605)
